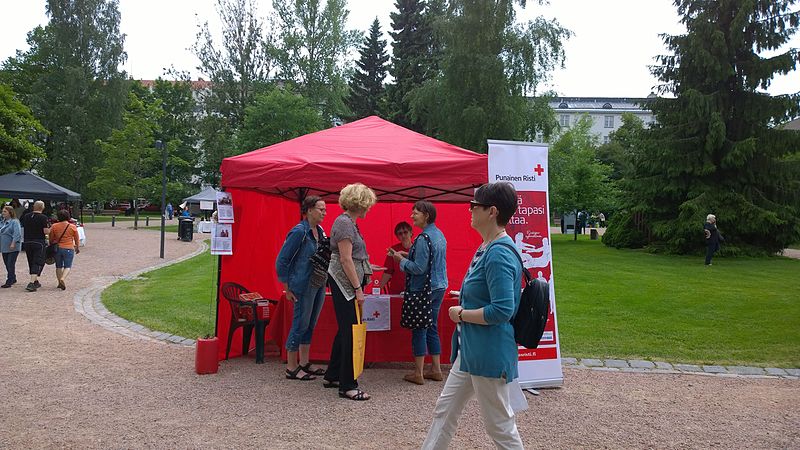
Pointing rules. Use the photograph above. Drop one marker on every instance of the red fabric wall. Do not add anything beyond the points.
(262, 222)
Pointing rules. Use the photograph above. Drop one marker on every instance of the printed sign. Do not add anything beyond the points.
(224, 207)
(221, 239)
(377, 313)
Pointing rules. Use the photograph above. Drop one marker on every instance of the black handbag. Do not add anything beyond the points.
(51, 250)
(416, 312)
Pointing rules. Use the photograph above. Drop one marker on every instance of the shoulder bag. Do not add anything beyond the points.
(416, 312)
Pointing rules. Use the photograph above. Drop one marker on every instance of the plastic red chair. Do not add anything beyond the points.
(244, 315)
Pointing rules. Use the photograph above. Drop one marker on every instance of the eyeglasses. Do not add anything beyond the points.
(320, 209)
(473, 204)
(402, 232)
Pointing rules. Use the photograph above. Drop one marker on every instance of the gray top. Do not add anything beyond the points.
(345, 229)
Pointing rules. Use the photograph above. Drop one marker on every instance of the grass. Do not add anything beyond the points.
(167, 228)
(634, 304)
(177, 299)
(611, 303)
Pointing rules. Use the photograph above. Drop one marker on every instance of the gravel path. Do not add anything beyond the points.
(65, 382)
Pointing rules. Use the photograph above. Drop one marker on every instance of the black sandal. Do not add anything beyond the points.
(292, 375)
(317, 371)
(330, 384)
(359, 396)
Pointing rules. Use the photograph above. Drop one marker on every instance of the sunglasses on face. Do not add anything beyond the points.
(473, 204)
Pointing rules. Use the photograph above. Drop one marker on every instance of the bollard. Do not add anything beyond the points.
(147, 221)
(92, 216)
(113, 219)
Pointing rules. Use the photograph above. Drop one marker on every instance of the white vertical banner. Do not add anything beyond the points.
(524, 164)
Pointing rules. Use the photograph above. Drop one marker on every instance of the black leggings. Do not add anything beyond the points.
(340, 367)
(34, 249)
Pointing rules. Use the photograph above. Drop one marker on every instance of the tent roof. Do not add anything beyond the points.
(208, 194)
(24, 184)
(399, 164)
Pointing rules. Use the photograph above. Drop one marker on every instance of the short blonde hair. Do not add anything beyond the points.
(710, 217)
(38, 205)
(356, 196)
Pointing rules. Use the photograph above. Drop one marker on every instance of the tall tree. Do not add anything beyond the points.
(312, 51)
(367, 92)
(715, 147)
(71, 80)
(19, 131)
(238, 69)
(277, 116)
(489, 65)
(415, 54)
(578, 180)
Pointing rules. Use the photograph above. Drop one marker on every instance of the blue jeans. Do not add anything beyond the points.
(10, 261)
(64, 258)
(428, 339)
(306, 312)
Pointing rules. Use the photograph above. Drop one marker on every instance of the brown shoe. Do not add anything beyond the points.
(61, 285)
(414, 378)
(435, 376)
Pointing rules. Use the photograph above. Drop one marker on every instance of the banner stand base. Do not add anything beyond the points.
(532, 391)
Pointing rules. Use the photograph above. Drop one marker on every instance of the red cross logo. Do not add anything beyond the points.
(538, 169)
(376, 314)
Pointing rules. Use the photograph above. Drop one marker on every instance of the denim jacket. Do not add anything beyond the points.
(418, 267)
(10, 231)
(293, 265)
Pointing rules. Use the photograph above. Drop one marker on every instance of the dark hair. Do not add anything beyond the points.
(502, 196)
(426, 207)
(62, 215)
(309, 202)
(402, 226)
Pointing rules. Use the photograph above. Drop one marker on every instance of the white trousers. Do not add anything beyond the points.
(495, 406)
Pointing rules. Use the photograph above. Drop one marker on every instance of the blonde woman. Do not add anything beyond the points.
(349, 271)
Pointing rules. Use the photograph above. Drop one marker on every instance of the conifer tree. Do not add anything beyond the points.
(367, 93)
(715, 147)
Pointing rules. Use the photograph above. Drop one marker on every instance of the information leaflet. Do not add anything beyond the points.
(524, 164)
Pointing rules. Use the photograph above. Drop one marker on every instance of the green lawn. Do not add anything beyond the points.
(167, 228)
(177, 299)
(611, 304)
(633, 304)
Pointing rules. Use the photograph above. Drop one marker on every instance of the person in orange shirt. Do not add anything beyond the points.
(66, 234)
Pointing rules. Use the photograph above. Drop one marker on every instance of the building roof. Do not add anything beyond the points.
(599, 103)
(197, 85)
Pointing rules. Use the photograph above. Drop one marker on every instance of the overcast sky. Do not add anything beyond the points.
(614, 42)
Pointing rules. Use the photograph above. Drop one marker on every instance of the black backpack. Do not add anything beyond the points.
(534, 307)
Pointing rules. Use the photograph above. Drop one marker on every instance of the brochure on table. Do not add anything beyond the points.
(524, 164)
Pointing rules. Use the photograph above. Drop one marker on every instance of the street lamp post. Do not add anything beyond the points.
(160, 145)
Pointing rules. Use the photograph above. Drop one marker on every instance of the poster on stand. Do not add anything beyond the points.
(377, 312)
(224, 207)
(221, 239)
(524, 164)
(206, 205)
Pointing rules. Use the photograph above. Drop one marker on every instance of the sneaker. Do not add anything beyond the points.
(30, 287)
(7, 285)
(37, 284)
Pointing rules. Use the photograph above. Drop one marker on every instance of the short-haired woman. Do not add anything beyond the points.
(10, 243)
(393, 278)
(294, 270)
(66, 234)
(426, 340)
(350, 271)
(484, 353)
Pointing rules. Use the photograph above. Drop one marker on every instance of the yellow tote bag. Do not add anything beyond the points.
(359, 342)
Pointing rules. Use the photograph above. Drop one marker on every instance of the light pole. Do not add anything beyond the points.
(160, 146)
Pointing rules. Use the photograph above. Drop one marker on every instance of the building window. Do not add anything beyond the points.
(606, 139)
(564, 120)
(609, 122)
(607, 105)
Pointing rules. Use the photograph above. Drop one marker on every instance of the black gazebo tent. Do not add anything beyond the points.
(24, 184)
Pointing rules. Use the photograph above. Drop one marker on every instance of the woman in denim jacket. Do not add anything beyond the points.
(10, 243)
(294, 271)
(426, 341)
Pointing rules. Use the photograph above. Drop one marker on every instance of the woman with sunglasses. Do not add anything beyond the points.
(484, 352)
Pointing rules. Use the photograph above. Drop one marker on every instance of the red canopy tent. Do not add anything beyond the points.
(400, 165)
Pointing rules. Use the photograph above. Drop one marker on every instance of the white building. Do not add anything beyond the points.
(605, 112)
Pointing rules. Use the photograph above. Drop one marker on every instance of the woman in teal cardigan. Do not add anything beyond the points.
(484, 352)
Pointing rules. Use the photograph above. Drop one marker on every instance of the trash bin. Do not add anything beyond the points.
(592, 234)
(186, 229)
